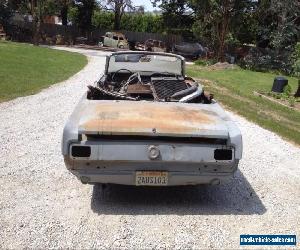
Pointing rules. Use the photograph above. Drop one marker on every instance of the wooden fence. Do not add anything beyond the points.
(23, 31)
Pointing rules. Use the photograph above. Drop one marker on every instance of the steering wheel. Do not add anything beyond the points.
(133, 76)
(114, 74)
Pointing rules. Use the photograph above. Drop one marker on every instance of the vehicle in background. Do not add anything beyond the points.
(190, 50)
(115, 40)
(151, 45)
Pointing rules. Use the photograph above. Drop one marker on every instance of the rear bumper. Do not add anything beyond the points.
(174, 178)
(116, 162)
(124, 173)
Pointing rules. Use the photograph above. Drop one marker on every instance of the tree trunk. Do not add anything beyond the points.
(35, 22)
(222, 35)
(297, 94)
(64, 15)
(221, 56)
(223, 30)
(36, 32)
(117, 20)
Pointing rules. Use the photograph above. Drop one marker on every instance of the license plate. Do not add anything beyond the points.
(151, 178)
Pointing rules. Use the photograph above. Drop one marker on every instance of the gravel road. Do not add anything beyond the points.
(43, 206)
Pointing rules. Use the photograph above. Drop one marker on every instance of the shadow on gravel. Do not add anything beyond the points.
(236, 197)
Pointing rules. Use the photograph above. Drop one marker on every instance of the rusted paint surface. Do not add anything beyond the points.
(138, 89)
(125, 117)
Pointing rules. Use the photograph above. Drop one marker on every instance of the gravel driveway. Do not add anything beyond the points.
(42, 205)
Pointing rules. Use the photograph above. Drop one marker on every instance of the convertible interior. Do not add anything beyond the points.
(147, 76)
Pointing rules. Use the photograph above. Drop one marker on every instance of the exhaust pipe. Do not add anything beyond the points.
(85, 179)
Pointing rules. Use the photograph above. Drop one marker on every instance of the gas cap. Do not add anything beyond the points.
(153, 152)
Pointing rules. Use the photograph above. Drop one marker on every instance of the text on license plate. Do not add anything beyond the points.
(151, 178)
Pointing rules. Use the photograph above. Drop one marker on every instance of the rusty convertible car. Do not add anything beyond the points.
(145, 123)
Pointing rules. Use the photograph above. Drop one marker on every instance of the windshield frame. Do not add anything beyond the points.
(146, 53)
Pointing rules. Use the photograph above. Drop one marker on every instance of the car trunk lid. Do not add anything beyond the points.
(152, 119)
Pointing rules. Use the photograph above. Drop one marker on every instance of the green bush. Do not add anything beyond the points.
(5, 13)
(265, 60)
(103, 20)
(292, 101)
(132, 22)
(296, 57)
(287, 90)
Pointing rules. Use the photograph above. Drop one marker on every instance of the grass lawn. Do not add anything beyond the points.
(26, 69)
(234, 89)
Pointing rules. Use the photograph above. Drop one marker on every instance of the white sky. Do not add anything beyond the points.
(146, 3)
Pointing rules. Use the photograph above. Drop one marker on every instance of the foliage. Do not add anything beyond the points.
(296, 68)
(287, 90)
(142, 23)
(103, 20)
(219, 25)
(296, 53)
(243, 25)
(285, 14)
(225, 25)
(40, 8)
(37, 9)
(216, 22)
(118, 7)
(175, 15)
(85, 10)
(296, 59)
(26, 69)
(292, 101)
(73, 15)
(232, 41)
(267, 59)
(286, 96)
(61, 8)
(132, 21)
(278, 32)
(5, 12)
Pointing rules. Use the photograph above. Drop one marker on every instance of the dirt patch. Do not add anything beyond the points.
(222, 66)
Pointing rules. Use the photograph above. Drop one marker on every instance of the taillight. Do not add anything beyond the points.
(81, 151)
(223, 154)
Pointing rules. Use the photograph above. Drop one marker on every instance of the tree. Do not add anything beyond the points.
(278, 30)
(221, 21)
(5, 12)
(213, 18)
(85, 12)
(243, 24)
(35, 8)
(177, 16)
(63, 8)
(132, 21)
(286, 15)
(38, 9)
(118, 7)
